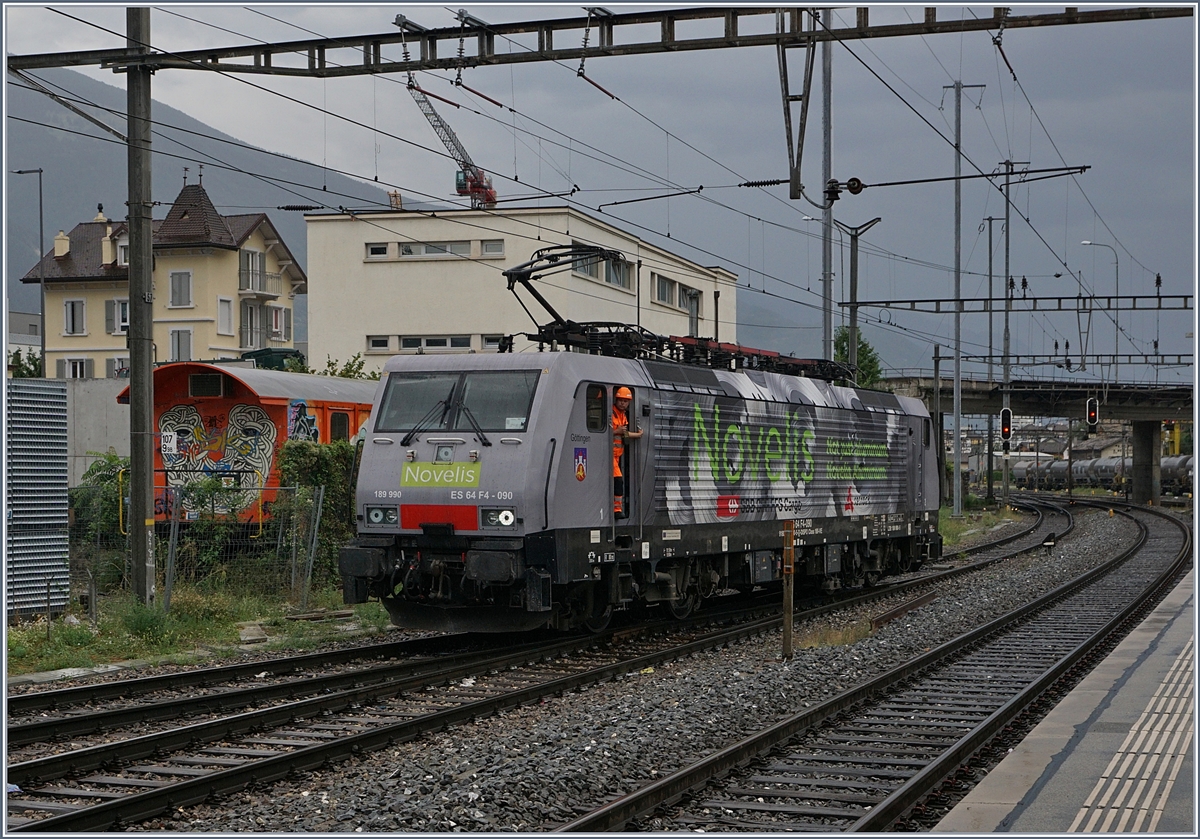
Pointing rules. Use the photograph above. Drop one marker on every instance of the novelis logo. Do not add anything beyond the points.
(734, 451)
(435, 475)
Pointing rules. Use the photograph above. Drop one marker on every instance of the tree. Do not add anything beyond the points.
(27, 367)
(351, 369)
(870, 372)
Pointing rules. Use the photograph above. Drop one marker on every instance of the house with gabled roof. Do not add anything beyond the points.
(223, 285)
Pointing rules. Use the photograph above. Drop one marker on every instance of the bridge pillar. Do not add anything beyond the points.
(1146, 471)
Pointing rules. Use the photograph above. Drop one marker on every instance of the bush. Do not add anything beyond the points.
(307, 464)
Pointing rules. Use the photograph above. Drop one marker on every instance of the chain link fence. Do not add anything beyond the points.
(209, 536)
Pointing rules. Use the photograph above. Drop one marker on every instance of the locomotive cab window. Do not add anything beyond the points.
(597, 408)
(472, 401)
(928, 429)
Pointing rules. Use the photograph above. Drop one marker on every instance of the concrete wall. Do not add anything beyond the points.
(95, 422)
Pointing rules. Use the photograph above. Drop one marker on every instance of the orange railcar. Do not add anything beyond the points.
(230, 422)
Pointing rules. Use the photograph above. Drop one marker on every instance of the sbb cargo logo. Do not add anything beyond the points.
(433, 475)
(728, 507)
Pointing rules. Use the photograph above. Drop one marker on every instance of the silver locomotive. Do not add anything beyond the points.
(485, 495)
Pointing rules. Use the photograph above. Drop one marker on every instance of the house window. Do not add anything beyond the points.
(116, 368)
(74, 319)
(181, 345)
(79, 368)
(435, 249)
(491, 342)
(224, 316)
(438, 343)
(587, 267)
(664, 290)
(492, 247)
(116, 317)
(252, 271)
(616, 271)
(122, 254)
(251, 332)
(689, 301)
(181, 289)
(377, 250)
(276, 321)
(379, 343)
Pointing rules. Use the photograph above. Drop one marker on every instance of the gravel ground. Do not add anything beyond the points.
(532, 767)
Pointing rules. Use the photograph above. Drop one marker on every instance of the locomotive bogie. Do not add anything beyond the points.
(486, 496)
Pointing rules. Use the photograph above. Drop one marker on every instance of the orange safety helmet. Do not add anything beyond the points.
(623, 393)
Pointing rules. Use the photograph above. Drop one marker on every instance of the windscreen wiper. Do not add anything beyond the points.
(424, 421)
(474, 424)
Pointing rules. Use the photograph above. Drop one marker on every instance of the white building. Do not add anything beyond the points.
(390, 282)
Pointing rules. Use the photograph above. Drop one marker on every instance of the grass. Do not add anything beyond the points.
(205, 621)
(833, 636)
(980, 520)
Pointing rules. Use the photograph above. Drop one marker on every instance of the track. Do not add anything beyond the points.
(885, 753)
(342, 713)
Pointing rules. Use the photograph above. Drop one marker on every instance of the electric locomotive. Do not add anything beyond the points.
(485, 493)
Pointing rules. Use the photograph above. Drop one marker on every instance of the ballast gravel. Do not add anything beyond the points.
(535, 767)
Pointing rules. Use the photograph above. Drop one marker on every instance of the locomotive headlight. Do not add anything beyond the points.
(501, 517)
(382, 515)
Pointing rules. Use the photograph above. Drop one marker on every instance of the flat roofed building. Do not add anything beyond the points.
(395, 282)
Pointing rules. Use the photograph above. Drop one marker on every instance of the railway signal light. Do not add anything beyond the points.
(1093, 411)
(1006, 423)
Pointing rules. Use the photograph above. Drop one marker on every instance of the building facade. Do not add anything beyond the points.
(420, 282)
(223, 285)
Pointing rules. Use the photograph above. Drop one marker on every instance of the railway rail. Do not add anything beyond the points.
(187, 764)
(888, 753)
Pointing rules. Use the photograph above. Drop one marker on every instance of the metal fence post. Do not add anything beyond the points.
(312, 548)
(171, 494)
(92, 607)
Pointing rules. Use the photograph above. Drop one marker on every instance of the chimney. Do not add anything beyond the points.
(62, 244)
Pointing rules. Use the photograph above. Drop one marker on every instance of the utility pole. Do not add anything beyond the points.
(991, 494)
(958, 307)
(827, 213)
(141, 310)
(852, 344)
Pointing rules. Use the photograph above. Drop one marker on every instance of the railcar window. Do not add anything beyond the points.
(597, 408)
(928, 427)
(410, 396)
(339, 426)
(497, 401)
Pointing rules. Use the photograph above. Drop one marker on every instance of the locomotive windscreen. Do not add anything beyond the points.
(495, 400)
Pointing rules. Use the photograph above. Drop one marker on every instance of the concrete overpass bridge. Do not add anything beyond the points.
(1144, 406)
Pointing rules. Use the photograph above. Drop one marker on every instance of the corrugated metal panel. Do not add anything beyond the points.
(36, 447)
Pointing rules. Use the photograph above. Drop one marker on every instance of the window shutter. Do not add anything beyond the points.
(262, 264)
(287, 324)
(110, 368)
(89, 371)
(185, 346)
(110, 316)
(60, 369)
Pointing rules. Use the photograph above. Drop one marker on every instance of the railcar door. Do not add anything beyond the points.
(584, 487)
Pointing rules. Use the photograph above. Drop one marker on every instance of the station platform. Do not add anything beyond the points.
(1117, 755)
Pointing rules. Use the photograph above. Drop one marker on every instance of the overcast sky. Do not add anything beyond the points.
(1117, 97)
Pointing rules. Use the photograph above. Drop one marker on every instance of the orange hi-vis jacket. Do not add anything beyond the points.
(620, 422)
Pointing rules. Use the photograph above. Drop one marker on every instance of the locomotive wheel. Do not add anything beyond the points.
(682, 608)
(599, 622)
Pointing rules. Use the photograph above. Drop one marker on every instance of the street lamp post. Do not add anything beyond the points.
(1116, 304)
(41, 266)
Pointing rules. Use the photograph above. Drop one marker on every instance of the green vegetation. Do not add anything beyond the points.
(973, 524)
(198, 621)
(870, 370)
(28, 366)
(350, 369)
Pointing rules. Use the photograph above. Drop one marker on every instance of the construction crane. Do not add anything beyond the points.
(470, 180)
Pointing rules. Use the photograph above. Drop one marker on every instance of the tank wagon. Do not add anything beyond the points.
(485, 493)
